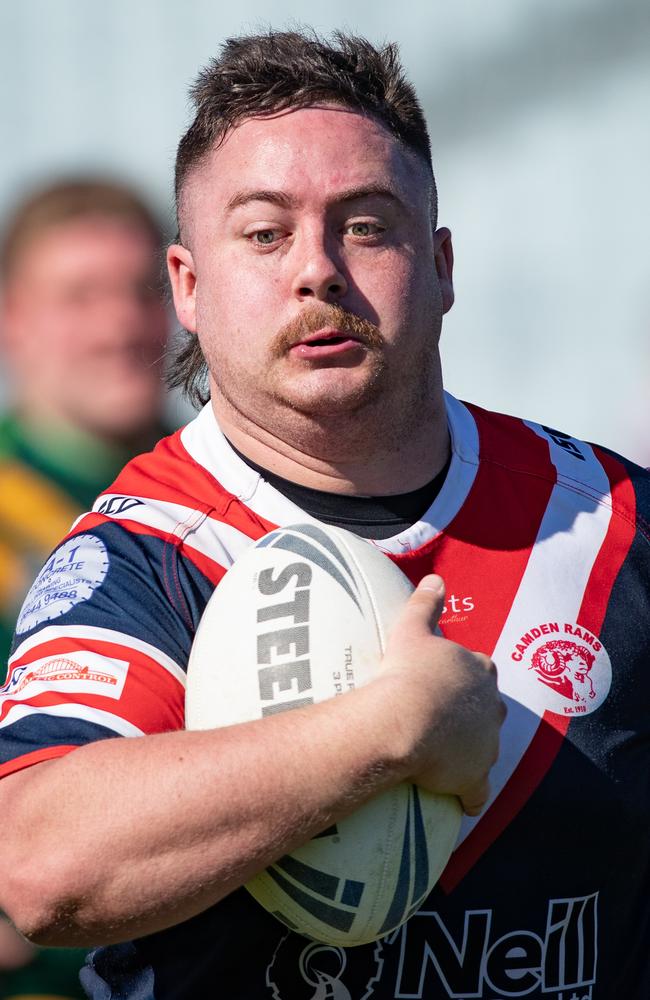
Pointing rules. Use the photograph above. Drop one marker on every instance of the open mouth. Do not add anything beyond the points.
(324, 344)
(327, 341)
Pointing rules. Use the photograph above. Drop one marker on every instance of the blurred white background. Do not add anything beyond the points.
(538, 111)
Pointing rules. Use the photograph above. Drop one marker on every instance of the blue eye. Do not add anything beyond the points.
(264, 237)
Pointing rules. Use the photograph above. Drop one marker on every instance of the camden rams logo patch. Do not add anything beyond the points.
(569, 662)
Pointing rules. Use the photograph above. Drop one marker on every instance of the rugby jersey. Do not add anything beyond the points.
(543, 543)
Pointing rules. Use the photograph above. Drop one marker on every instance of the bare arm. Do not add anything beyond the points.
(125, 837)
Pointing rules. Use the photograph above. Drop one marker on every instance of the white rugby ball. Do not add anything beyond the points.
(302, 616)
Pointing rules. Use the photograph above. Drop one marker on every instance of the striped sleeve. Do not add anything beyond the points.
(101, 645)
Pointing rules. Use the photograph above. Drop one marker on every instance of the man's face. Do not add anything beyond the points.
(85, 326)
(289, 219)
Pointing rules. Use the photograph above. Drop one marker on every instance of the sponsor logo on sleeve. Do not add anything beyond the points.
(71, 575)
(569, 662)
(87, 673)
(564, 441)
(117, 506)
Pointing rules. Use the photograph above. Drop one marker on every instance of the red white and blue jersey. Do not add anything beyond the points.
(544, 545)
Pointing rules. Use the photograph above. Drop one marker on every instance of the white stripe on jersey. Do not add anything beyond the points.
(172, 518)
(205, 442)
(92, 633)
(592, 477)
(74, 711)
(220, 542)
(572, 522)
(455, 489)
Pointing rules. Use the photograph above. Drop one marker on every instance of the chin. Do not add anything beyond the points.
(331, 393)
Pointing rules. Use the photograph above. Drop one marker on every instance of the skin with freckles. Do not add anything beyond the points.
(316, 281)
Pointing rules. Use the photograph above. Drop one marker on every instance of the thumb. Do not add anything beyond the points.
(424, 606)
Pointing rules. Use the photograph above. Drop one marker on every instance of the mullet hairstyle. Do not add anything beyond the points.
(262, 75)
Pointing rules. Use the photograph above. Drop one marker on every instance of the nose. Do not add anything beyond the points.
(319, 273)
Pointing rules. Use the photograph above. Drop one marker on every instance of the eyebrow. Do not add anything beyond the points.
(274, 197)
(282, 200)
(370, 191)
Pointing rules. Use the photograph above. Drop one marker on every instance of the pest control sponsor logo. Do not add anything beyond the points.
(475, 957)
(71, 575)
(88, 673)
(569, 662)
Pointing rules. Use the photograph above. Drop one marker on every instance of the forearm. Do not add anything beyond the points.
(125, 837)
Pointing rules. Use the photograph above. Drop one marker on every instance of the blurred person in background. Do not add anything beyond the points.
(83, 326)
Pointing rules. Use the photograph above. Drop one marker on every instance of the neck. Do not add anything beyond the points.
(348, 455)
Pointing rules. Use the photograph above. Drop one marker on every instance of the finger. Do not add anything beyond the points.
(424, 606)
(474, 800)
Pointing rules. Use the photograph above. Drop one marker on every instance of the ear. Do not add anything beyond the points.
(444, 260)
(182, 277)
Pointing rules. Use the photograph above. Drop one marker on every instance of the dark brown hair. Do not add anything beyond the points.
(261, 75)
(66, 201)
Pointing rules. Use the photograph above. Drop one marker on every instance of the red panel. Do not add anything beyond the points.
(549, 737)
(615, 547)
(152, 698)
(28, 759)
(484, 552)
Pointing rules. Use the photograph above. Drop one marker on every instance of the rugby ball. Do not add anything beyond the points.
(302, 616)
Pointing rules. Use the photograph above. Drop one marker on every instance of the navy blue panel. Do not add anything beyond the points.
(149, 592)
(128, 977)
(37, 731)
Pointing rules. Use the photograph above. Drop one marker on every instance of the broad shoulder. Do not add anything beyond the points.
(573, 465)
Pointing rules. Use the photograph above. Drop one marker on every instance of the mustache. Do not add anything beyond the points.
(317, 317)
